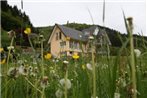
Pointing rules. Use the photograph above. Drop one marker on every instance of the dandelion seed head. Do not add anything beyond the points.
(13, 72)
(137, 52)
(68, 83)
(116, 95)
(59, 93)
(11, 33)
(89, 66)
(44, 82)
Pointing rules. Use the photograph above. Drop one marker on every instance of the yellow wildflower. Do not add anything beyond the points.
(3, 61)
(1, 49)
(75, 56)
(48, 56)
(27, 31)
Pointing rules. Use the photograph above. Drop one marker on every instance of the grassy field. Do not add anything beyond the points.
(30, 76)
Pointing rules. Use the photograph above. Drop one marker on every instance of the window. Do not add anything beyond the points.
(60, 35)
(56, 36)
(71, 44)
(74, 45)
(62, 44)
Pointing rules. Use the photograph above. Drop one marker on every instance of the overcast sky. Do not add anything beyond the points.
(49, 12)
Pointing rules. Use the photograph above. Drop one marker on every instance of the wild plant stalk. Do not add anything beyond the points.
(133, 69)
(65, 88)
(31, 44)
(8, 57)
(93, 72)
(42, 67)
(93, 62)
(33, 85)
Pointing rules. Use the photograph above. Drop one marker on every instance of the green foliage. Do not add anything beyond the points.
(5, 40)
(9, 22)
(12, 18)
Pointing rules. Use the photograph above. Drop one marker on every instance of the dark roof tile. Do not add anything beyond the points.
(74, 34)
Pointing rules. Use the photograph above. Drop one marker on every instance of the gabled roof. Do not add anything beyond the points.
(90, 30)
(101, 32)
(72, 33)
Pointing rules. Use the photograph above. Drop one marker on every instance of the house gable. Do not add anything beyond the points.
(55, 29)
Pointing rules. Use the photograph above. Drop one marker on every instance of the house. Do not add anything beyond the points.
(102, 40)
(67, 41)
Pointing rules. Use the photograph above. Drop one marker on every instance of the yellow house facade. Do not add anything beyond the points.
(66, 41)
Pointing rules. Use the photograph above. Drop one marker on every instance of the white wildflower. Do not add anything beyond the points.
(52, 71)
(89, 66)
(116, 95)
(20, 62)
(51, 68)
(59, 93)
(32, 74)
(68, 83)
(30, 68)
(57, 60)
(91, 37)
(137, 52)
(104, 66)
(41, 36)
(65, 62)
(22, 70)
(92, 96)
(36, 69)
(10, 47)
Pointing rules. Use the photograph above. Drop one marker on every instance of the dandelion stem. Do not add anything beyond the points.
(42, 67)
(33, 85)
(94, 75)
(65, 92)
(8, 56)
(31, 44)
(42, 62)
